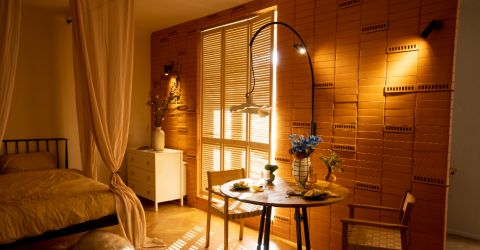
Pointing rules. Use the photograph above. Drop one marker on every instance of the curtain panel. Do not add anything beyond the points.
(10, 18)
(103, 33)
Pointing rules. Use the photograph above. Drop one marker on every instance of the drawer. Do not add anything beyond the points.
(142, 161)
(141, 175)
(142, 189)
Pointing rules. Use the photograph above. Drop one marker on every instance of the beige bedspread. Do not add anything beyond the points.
(34, 202)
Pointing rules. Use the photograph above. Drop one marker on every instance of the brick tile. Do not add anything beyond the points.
(370, 164)
(392, 200)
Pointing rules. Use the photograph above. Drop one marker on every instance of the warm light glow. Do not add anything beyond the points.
(274, 57)
(229, 24)
(193, 238)
(231, 161)
(228, 124)
(230, 121)
(404, 65)
(273, 123)
(216, 123)
(216, 160)
(300, 48)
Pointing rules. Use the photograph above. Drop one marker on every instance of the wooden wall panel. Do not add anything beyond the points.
(364, 56)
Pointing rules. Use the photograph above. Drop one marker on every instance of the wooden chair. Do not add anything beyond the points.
(363, 234)
(236, 210)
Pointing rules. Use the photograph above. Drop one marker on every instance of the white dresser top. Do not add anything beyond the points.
(151, 151)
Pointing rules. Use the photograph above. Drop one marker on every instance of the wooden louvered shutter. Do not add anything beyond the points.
(211, 103)
(236, 80)
(235, 140)
(235, 85)
(260, 126)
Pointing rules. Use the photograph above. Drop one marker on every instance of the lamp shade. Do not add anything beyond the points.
(252, 108)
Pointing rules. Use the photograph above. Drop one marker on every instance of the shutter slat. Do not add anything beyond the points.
(212, 77)
(210, 161)
(234, 157)
(262, 61)
(236, 80)
(258, 160)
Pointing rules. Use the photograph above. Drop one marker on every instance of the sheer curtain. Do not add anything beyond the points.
(10, 17)
(103, 59)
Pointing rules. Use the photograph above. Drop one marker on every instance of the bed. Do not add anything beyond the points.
(41, 198)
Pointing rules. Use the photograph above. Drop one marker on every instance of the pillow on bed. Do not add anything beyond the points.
(27, 162)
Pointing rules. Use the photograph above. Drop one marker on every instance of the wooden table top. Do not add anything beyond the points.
(276, 195)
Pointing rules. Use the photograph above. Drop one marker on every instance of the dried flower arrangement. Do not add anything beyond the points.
(161, 106)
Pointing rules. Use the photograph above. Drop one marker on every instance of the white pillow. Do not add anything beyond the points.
(13, 163)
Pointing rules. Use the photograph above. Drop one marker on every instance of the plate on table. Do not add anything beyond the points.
(240, 186)
(318, 194)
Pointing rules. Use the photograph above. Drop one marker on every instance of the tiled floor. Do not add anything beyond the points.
(184, 228)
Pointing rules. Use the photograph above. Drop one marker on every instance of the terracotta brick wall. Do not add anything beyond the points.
(382, 99)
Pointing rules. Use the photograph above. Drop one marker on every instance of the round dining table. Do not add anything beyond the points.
(283, 193)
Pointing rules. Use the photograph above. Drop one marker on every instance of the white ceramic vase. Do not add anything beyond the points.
(300, 170)
(158, 139)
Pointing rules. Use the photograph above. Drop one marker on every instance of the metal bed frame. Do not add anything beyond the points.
(55, 146)
(25, 146)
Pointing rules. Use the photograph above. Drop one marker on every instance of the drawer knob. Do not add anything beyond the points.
(148, 163)
(132, 173)
(148, 191)
(148, 178)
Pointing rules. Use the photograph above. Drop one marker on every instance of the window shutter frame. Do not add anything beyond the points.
(232, 144)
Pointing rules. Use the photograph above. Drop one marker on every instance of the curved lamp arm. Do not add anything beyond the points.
(312, 123)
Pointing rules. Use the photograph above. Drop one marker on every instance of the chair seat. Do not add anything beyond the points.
(237, 210)
(368, 237)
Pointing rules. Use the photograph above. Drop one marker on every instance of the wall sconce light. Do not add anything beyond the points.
(167, 69)
(264, 110)
(433, 25)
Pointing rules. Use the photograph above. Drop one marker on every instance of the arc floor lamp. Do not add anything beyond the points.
(262, 110)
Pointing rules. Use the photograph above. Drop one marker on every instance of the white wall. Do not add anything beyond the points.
(139, 134)
(44, 94)
(464, 194)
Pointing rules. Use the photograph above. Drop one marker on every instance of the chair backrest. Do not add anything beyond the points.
(406, 208)
(216, 178)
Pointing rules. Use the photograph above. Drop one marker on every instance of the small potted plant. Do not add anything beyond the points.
(333, 163)
(270, 169)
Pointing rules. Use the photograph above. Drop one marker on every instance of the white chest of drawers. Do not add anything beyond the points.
(157, 176)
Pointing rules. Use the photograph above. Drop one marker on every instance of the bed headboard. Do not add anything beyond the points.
(56, 146)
